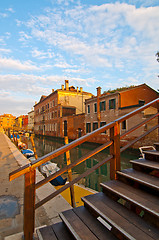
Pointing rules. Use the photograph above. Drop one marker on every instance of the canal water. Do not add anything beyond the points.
(46, 145)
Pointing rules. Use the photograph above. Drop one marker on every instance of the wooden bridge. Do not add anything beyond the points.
(128, 206)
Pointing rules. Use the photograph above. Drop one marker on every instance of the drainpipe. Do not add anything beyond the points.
(98, 105)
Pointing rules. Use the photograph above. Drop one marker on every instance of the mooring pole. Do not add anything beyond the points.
(72, 193)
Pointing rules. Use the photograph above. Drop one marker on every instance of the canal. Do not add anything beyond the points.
(46, 145)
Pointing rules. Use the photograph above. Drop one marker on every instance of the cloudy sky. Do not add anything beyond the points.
(91, 43)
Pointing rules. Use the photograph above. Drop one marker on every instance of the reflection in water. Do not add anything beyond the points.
(46, 145)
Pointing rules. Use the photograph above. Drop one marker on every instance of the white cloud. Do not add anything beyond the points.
(3, 15)
(12, 64)
(5, 50)
(10, 10)
(15, 106)
(41, 54)
(100, 35)
(24, 37)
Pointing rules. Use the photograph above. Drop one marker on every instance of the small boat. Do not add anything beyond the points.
(27, 153)
(22, 145)
(50, 168)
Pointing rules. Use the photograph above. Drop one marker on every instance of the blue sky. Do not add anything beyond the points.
(91, 43)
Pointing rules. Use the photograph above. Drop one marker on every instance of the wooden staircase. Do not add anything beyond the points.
(128, 208)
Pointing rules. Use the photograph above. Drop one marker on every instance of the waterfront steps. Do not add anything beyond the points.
(127, 208)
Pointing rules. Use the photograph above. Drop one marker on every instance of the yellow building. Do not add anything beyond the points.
(7, 121)
(18, 123)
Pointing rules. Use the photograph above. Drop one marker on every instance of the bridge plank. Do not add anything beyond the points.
(146, 163)
(76, 226)
(46, 233)
(98, 229)
(140, 177)
(119, 217)
(61, 231)
(146, 201)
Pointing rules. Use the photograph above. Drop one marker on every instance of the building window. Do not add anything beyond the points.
(95, 125)
(53, 103)
(101, 125)
(123, 125)
(112, 104)
(88, 127)
(95, 107)
(88, 109)
(48, 105)
(102, 106)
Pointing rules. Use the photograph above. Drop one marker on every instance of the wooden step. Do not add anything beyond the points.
(146, 166)
(132, 177)
(124, 224)
(83, 225)
(152, 155)
(56, 231)
(93, 224)
(138, 198)
(156, 146)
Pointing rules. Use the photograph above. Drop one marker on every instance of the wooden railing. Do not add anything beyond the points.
(29, 170)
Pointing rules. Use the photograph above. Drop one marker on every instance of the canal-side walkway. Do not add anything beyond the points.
(12, 195)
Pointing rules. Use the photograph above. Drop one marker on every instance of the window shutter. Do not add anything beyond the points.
(100, 106)
(104, 105)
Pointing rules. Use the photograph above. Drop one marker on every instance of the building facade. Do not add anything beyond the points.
(31, 120)
(105, 108)
(7, 121)
(53, 113)
(25, 122)
(18, 123)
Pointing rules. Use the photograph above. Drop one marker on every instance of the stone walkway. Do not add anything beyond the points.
(12, 194)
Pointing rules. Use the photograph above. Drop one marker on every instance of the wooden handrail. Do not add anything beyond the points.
(75, 163)
(36, 163)
(138, 138)
(63, 149)
(86, 173)
(138, 125)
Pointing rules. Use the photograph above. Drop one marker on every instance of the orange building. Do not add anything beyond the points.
(105, 108)
(7, 121)
(136, 95)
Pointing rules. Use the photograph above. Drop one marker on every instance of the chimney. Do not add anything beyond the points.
(98, 91)
(67, 85)
(62, 87)
(81, 89)
(35, 102)
(77, 89)
(52, 90)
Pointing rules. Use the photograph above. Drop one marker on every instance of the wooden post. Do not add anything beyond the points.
(158, 120)
(34, 149)
(115, 150)
(29, 205)
(73, 203)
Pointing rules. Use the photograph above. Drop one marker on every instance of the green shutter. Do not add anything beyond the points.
(100, 106)
(104, 105)
(114, 104)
